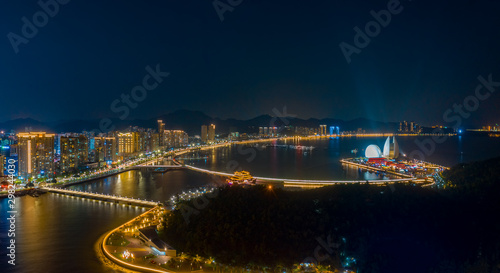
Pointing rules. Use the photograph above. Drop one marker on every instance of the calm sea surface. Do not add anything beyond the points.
(57, 233)
(322, 162)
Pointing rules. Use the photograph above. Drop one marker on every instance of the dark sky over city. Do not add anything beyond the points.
(263, 55)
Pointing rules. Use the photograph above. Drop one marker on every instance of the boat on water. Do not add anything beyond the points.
(300, 147)
(160, 170)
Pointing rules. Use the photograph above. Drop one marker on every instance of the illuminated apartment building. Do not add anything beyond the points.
(211, 133)
(175, 138)
(36, 154)
(74, 152)
(110, 145)
(161, 129)
(127, 143)
(322, 130)
(204, 133)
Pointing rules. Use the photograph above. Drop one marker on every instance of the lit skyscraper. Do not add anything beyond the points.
(161, 129)
(204, 133)
(211, 133)
(74, 152)
(322, 130)
(176, 138)
(2, 165)
(110, 153)
(36, 154)
(127, 143)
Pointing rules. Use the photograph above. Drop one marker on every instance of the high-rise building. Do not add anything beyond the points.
(96, 149)
(175, 138)
(403, 127)
(142, 141)
(234, 136)
(274, 131)
(322, 130)
(57, 144)
(204, 133)
(211, 133)
(110, 152)
(154, 142)
(14, 150)
(409, 127)
(161, 129)
(2, 164)
(74, 152)
(36, 154)
(127, 143)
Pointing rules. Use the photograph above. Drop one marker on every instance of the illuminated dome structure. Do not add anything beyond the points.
(373, 151)
(391, 148)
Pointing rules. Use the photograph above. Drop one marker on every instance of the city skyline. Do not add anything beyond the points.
(250, 136)
(187, 120)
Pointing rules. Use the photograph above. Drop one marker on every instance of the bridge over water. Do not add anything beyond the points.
(103, 197)
(173, 167)
(305, 183)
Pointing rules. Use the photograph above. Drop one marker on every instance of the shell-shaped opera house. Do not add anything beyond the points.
(373, 151)
(391, 149)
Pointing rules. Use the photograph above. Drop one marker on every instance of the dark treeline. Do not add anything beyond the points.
(398, 228)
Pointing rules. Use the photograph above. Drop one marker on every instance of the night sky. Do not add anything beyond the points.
(263, 55)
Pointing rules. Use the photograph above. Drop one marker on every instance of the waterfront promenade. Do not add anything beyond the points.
(156, 161)
(122, 246)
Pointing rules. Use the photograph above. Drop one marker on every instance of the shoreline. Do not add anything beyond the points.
(263, 180)
(93, 178)
(21, 192)
(117, 262)
(98, 248)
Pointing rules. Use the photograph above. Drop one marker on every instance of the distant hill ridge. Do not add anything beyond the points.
(191, 121)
